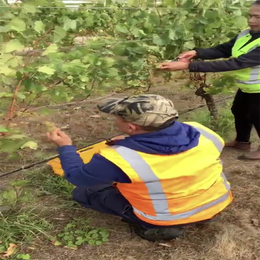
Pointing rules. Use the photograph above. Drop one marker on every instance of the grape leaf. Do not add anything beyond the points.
(29, 8)
(158, 40)
(15, 136)
(3, 129)
(47, 70)
(121, 28)
(13, 45)
(189, 45)
(17, 24)
(7, 71)
(69, 24)
(50, 49)
(30, 144)
(59, 33)
(240, 21)
(39, 26)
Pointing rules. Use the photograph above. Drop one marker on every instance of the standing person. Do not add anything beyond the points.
(244, 60)
(166, 174)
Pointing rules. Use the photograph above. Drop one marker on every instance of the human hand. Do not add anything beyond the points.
(187, 55)
(59, 138)
(119, 137)
(112, 140)
(174, 66)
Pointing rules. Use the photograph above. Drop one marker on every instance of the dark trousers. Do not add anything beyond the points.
(246, 110)
(107, 199)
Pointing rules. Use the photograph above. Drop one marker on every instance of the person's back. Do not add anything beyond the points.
(184, 185)
(166, 174)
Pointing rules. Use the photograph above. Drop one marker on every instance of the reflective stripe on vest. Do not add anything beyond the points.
(243, 33)
(216, 141)
(159, 200)
(253, 77)
(255, 71)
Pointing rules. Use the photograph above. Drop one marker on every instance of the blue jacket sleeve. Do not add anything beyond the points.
(98, 171)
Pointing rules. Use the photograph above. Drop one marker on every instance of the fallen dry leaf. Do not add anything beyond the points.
(65, 127)
(165, 244)
(95, 116)
(9, 251)
(76, 108)
(73, 248)
(53, 241)
(255, 222)
(12, 124)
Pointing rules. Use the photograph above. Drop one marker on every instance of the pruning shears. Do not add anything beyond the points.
(176, 59)
(179, 59)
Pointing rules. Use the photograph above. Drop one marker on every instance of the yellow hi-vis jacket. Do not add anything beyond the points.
(248, 80)
(174, 189)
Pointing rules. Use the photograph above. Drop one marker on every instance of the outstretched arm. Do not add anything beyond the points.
(247, 60)
(223, 50)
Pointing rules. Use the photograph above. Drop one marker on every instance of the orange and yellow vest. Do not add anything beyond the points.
(174, 189)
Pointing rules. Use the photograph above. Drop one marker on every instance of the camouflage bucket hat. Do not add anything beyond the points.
(144, 110)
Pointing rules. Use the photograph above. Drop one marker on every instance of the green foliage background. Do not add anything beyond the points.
(41, 57)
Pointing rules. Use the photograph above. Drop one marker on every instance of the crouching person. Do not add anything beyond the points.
(164, 176)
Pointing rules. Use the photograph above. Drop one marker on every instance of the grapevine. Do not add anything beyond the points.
(54, 54)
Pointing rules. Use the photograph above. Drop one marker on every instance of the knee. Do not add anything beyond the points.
(78, 193)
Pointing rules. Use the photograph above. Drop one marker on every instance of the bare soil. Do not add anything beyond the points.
(234, 236)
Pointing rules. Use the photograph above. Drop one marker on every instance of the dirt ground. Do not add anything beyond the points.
(234, 236)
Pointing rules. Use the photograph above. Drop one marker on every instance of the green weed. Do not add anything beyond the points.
(48, 183)
(22, 226)
(24, 256)
(225, 124)
(22, 220)
(23, 217)
(79, 232)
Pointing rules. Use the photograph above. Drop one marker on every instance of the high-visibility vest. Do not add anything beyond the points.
(174, 189)
(248, 80)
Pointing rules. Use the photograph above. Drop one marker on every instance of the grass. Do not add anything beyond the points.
(49, 184)
(40, 221)
(23, 225)
(225, 125)
(22, 221)
(18, 221)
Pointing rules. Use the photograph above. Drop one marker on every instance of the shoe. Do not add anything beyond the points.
(156, 234)
(239, 145)
(255, 155)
